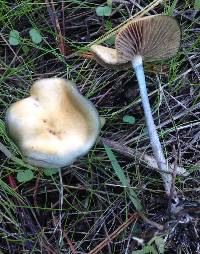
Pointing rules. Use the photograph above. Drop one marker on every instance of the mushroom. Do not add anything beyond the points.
(150, 39)
(55, 125)
(108, 57)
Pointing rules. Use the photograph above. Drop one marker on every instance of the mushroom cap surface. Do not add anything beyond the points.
(55, 125)
(109, 58)
(154, 38)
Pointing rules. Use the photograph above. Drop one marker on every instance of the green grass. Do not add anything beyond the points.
(104, 188)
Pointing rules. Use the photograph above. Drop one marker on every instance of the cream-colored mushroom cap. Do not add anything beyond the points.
(154, 38)
(108, 57)
(55, 125)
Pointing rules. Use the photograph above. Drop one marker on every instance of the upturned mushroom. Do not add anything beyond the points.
(55, 125)
(151, 38)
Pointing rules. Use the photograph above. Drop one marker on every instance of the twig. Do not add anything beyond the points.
(12, 182)
(114, 234)
(60, 37)
(60, 206)
(152, 223)
(70, 243)
(173, 194)
(63, 17)
(149, 160)
(55, 23)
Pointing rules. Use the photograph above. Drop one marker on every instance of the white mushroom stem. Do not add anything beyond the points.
(153, 135)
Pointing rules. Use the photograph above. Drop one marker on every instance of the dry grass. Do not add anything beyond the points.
(87, 206)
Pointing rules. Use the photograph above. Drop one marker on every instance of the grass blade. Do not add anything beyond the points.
(120, 174)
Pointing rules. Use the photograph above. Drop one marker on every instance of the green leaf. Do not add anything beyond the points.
(108, 25)
(14, 38)
(197, 5)
(25, 175)
(146, 250)
(109, 3)
(50, 171)
(25, 49)
(111, 41)
(160, 243)
(120, 173)
(35, 36)
(103, 11)
(129, 119)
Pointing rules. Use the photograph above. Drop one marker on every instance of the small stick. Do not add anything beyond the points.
(60, 205)
(173, 194)
(114, 234)
(60, 37)
(70, 243)
(55, 22)
(132, 153)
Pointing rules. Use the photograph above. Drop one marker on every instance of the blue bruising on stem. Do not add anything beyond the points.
(153, 135)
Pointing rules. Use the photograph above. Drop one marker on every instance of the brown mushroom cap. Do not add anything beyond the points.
(154, 38)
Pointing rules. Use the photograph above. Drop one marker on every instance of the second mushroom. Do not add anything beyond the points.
(148, 39)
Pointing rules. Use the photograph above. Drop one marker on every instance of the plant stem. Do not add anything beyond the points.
(153, 135)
